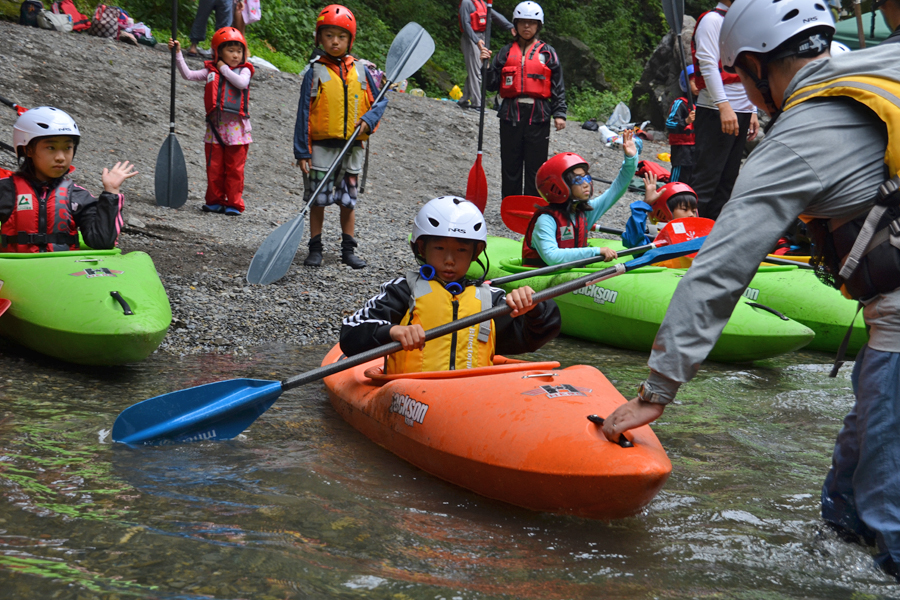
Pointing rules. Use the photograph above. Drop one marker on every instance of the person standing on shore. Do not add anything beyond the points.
(530, 79)
(842, 180)
(473, 23)
(224, 17)
(726, 119)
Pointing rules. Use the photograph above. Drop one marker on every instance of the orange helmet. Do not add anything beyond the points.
(550, 181)
(226, 34)
(335, 15)
(661, 210)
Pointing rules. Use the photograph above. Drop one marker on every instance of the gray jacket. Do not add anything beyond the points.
(466, 8)
(822, 158)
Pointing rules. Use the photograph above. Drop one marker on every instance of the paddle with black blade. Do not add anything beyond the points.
(409, 51)
(171, 180)
(476, 187)
(222, 410)
(674, 11)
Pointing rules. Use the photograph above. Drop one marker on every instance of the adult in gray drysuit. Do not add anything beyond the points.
(823, 158)
(468, 43)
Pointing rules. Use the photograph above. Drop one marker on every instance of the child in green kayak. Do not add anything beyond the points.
(41, 209)
(675, 200)
(558, 232)
(448, 235)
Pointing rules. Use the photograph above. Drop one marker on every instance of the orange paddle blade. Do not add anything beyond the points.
(516, 211)
(683, 230)
(476, 188)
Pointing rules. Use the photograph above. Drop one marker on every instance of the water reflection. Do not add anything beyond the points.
(302, 505)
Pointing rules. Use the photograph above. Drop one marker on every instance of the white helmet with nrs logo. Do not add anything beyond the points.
(43, 121)
(450, 216)
(528, 10)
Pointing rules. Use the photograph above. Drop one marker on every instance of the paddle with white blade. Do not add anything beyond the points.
(222, 410)
(409, 51)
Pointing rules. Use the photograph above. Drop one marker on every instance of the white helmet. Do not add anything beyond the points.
(762, 25)
(43, 121)
(450, 216)
(528, 10)
(837, 48)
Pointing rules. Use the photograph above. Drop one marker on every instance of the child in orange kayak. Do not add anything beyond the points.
(558, 232)
(41, 209)
(448, 235)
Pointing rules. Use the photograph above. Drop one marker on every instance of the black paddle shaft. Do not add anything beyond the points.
(484, 64)
(172, 83)
(492, 313)
(568, 265)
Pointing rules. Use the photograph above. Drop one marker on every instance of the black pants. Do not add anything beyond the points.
(521, 145)
(718, 159)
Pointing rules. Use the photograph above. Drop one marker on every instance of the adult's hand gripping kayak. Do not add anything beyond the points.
(409, 51)
(222, 410)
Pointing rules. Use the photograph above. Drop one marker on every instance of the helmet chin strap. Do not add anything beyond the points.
(762, 84)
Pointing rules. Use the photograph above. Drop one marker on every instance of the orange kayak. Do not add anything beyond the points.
(516, 432)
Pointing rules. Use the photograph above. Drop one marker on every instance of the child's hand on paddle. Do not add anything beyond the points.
(607, 253)
(363, 127)
(411, 337)
(113, 178)
(628, 143)
(520, 300)
(303, 163)
(651, 194)
(485, 53)
(174, 44)
(691, 116)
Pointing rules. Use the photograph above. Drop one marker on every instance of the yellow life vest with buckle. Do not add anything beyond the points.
(430, 305)
(338, 99)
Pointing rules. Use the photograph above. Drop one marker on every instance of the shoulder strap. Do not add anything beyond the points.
(320, 74)
(361, 71)
(418, 287)
(483, 293)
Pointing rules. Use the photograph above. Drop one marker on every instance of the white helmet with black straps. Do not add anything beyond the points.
(42, 121)
(761, 26)
(450, 216)
(528, 10)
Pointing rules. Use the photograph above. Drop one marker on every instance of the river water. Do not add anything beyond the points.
(303, 506)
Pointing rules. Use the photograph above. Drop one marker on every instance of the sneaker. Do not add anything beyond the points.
(231, 211)
(464, 104)
(213, 208)
(204, 53)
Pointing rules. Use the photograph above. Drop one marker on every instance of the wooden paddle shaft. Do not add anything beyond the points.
(859, 24)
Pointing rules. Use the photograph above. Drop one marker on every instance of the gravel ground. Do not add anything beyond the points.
(119, 95)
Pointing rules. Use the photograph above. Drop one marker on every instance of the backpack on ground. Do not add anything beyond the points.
(54, 22)
(80, 22)
(29, 11)
(105, 22)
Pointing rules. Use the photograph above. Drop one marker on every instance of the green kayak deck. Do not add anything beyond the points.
(95, 307)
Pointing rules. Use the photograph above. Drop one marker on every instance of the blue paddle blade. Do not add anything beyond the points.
(215, 411)
(665, 253)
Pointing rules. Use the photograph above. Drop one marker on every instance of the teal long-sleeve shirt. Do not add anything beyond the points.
(543, 237)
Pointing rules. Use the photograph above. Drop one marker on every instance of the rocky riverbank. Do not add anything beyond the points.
(119, 95)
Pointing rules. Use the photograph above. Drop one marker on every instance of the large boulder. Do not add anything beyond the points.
(658, 86)
(579, 64)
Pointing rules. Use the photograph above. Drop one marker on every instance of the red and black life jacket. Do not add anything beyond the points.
(727, 78)
(571, 232)
(40, 223)
(221, 96)
(478, 18)
(686, 137)
(525, 75)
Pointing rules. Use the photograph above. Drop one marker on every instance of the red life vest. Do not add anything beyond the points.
(221, 96)
(727, 78)
(685, 138)
(40, 224)
(569, 233)
(478, 18)
(525, 76)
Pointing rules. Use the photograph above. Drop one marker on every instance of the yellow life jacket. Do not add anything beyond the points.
(430, 305)
(338, 101)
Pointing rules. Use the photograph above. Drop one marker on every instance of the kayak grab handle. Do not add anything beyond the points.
(623, 441)
(770, 309)
(125, 308)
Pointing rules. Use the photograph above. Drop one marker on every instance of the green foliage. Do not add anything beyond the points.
(588, 103)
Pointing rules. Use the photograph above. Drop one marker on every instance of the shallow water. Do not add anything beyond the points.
(303, 506)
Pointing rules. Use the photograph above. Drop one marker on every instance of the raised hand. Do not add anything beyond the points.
(115, 177)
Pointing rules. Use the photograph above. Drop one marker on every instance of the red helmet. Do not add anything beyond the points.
(335, 15)
(550, 181)
(661, 211)
(227, 34)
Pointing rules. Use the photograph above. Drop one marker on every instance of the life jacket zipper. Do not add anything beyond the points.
(453, 337)
(346, 99)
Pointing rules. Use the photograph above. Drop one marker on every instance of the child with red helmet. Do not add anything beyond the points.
(558, 232)
(337, 94)
(227, 100)
(675, 200)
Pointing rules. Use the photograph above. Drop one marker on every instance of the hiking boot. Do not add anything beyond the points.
(314, 258)
(347, 255)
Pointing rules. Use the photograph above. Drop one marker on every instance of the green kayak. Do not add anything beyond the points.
(626, 311)
(93, 307)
